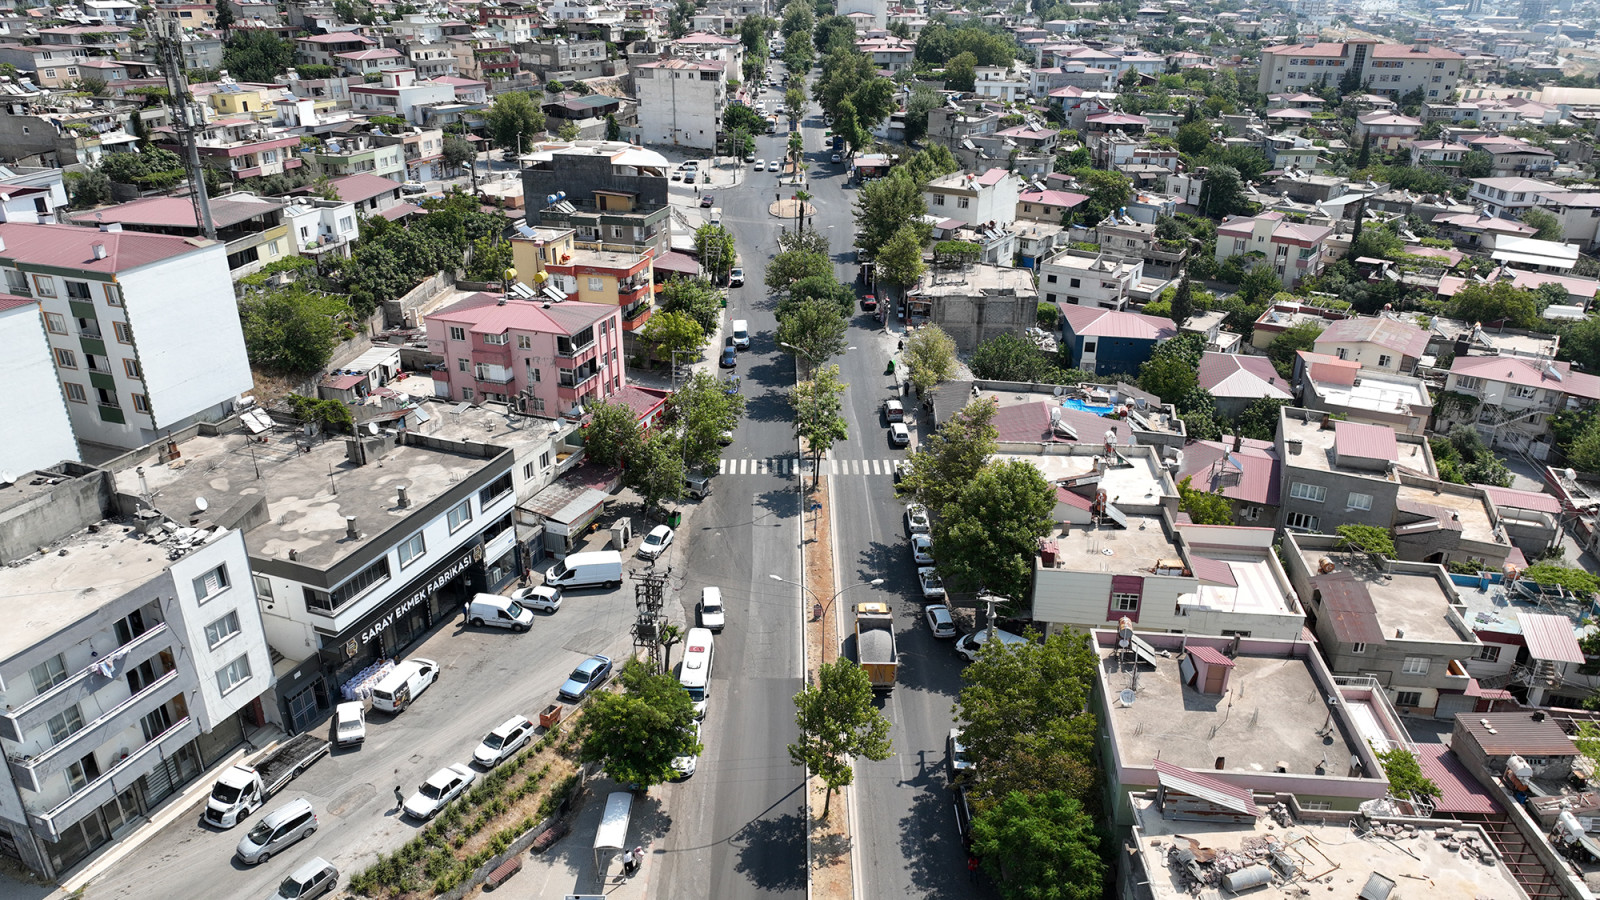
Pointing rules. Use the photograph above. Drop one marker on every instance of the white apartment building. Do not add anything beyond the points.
(401, 94)
(116, 691)
(1510, 197)
(36, 397)
(143, 328)
(1085, 278)
(681, 101)
(1390, 70)
(1005, 83)
(318, 225)
(975, 199)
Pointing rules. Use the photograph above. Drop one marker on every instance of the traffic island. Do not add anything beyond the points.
(788, 208)
(829, 857)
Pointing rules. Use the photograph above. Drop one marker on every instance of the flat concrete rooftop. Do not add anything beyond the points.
(1417, 604)
(1109, 548)
(962, 282)
(1138, 484)
(487, 423)
(1375, 393)
(1256, 588)
(1472, 512)
(308, 493)
(1274, 712)
(1425, 867)
(1317, 452)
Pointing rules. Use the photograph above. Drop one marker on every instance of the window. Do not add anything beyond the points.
(56, 322)
(124, 334)
(263, 587)
(524, 342)
(75, 392)
(1050, 278)
(1408, 698)
(963, 202)
(1301, 522)
(65, 724)
(1088, 346)
(498, 340)
(596, 284)
(222, 629)
(48, 674)
(494, 490)
(233, 674)
(1526, 392)
(82, 772)
(141, 404)
(459, 516)
(211, 583)
(1073, 283)
(1343, 353)
(1314, 493)
(1125, 602)
(466, 393)
(938, 199)
(1489, 653)
(355, 587)
(1358, 647)
(463, 364)
(1415, 665)
(1358, 500)
(77, 290)
(131, 366)
(412, 548)
(1384, 360)
(66, 359)
(457, 333)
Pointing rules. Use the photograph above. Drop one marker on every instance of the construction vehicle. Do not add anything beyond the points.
(875, 649)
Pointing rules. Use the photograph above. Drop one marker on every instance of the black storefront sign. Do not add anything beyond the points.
(405, 618)
(421, 595)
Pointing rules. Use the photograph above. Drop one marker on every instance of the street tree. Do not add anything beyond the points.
(930, 162)
(1203, 507)
(458, 152)
(794, 103)
(818, 413)
(817, 287)
(737, 115)
(672, 332)
(813, 330)
(224, 18)
(635, 734)
(1287, 345)
(806, 239)
(791, 266)
(987, 537)
(713, 245)
(1182, 300)
(952, 456)
(885, 205)
(900, 258)
(696, 298)
(656, 471)
(1040, 847)
(930, 357)
(612, 434)
(1011, 357)
(514, 121)
(702, 411)
(838, 722)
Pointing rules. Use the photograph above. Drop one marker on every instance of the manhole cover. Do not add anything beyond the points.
(342, 803)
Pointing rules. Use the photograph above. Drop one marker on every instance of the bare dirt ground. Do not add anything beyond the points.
(830, 837)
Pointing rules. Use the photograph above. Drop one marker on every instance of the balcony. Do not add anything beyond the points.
(634, 317)
(15, 723)
(492, 374)
(30, 772)
(115, 780)
(565, 350)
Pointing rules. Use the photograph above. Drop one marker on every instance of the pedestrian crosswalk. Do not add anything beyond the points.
(789, 465)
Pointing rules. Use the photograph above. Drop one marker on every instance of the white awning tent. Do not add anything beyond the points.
(612, 835)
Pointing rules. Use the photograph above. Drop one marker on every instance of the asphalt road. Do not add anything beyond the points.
(487, 676)
(737, 825)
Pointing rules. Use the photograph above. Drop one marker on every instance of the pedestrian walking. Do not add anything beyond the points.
(972, 867)
(697, 190)
(399, 798)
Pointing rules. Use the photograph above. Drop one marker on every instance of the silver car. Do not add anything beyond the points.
(276, 830)
(500, 744)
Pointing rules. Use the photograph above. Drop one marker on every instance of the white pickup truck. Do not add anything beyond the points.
(242, 790)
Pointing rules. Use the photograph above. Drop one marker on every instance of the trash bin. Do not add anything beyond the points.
(675, 518)
(891, 367)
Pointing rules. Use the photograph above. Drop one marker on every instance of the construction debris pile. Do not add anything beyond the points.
(1256, 862)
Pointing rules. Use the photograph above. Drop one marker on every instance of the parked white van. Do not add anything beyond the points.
(695, 672)
(741, 334)
(501, 612)
(405, 684)
(597, 568)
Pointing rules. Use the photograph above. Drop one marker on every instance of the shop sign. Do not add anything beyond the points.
(420, 595)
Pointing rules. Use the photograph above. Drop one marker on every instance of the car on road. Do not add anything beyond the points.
(544, 598)
(774, 166)
(899, 434)
(736, 277)
(932, 585)
(750, 157)
(436, 793)
(760, 165)
(685, 766)
(349, 724)
(707, 201)
(837, 157)
(590, 674)
(498, 745)
(958, 759)
(939, 620)
(294, 821)
(922, 549)
(713, 615)
(312, 879)
(413, 187)
(869, 302)
(970, 644)
(917, 519)
(656, 542)
(899, 470)
(730, 357)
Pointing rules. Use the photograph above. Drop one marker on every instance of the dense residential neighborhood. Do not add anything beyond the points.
(1114, 449)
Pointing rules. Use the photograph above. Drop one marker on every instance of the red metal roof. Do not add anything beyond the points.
(1359, 440)
(72, 246)
(1550, 637)
(1516, 733)
(1511, 498)
(1401, 337)
(1459, 792)
(1237, 375)
(1086, 321)
(1249, 474)
(1211, 656)
(1214, 571)
(1204, 787)
(1350, 612)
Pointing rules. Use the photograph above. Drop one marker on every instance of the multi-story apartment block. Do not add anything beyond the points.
(1508, 197)
(586, 59)
(889, 53)
(122, 310)
(244, 149)
(401, 94)
(423, 152)
(1513, 157)
(360, 154)
(550, 358)
(1579, 212)
(1085, 278)
(47, 65)
(25, 361)
(1342, 387)
(1292, 250)
(990, 198)
(324, 49)
(320, 227)
(615, 194)
(120, 690)
(372, 59)
(590, 272)
(1514, 397)
(1389, 70)
(1387, 131)
(1343, 473)
(252, 227)
(681, 101)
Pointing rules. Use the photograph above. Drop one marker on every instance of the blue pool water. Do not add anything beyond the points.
(1096, 408)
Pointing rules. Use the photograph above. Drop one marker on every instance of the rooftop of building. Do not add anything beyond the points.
(1406, 597)
(309, 489)
(488, 313)
(489, 423)
(75, 247)
(1236, 579)
(1249, 473)
(1342, 860)
(1468, 511)
(178, 212)
(1504, 342)
(1319, 448)
(966, 280)
(1391, 333)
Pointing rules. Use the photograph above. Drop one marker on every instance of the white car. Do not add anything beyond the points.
(349, 724)
(441, 787)
(656, 542)
(932, 584)
(939, 620)
(413, 187)
(961, 762)
(774, 166)
(899, 434)
(712, 614)
(760, 166)
(922, 549)
(917, 519)
(685, 766)
(499, 744)
(544, 598)
(736, 277)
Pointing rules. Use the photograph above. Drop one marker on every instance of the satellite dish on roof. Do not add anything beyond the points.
(7, 478)
(202, 504)
(372, 428)
(1128, 696)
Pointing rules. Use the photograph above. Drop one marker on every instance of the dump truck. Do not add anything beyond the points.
(242, 790)
(875, 650)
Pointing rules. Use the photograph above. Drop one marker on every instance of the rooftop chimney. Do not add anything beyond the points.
(99, 250)
(350, 529)
(401, 499)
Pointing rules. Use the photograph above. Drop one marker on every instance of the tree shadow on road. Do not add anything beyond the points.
(930, 843)
(772, 852)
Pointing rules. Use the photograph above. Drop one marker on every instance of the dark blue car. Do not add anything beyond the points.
(730, 357)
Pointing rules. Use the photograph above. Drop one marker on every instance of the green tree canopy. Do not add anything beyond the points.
(951, 457)
(987, 538)
(1108, 192)
(813, 330)
(656, 472)
(818, 413)
(1040, 847)
(713, 245)
(1011, 357)
(961, 73)
(1285, 348)
(931, 357)
(696, 298)
(1368, 539)
(838, 722)
(1259, 420)
(459, 153)
(1405, 776)
(290, 329)
(612, 434)
(788, 268)
(637, 733)
(704, 410)
(257, 55)
(737, 115)
(672, 332)
(514, 122)
(884, 206)
(1494, 303)
(900, 258)
(1204, 507)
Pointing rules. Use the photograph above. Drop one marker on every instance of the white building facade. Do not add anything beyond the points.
(35, 394)
(681, 101)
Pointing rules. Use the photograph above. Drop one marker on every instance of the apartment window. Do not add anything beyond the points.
(963, 202)
(494, 490)
(498, 340)
(1073, 283)
(1088, 346)
(233, 674)
(77, 290)
(411, 549)
(459, 516)
(65, 724)
(222, 629)
(457, 333)
(938, 199)
(56, 322)
(1408, 698)
(1343, 353)
(1526, 392)
(1125, 602)
(463, 364)
(1414, 665)
(124, 335)
(1467, 382)
(354, 588)
(1301, 521)
(1358, 500)
(1384, 360)
(131, 366)
(1314, 493)
(1050, 278)
(48, 674)
(1358, 647)
(75, 392)
(82, 772)
(528, 471)
(211, 583)
(66, 359)
(1489, 653)
(524, 342)
(533, 373)
(466, 393)
(141, 404)
(263, 587)
(596, 284)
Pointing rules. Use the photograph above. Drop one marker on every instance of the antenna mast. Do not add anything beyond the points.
(187, 117)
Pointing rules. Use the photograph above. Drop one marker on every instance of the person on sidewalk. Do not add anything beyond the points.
(399, 799)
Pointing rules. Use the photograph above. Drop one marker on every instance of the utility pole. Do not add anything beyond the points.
(187, 118)
(649, 592)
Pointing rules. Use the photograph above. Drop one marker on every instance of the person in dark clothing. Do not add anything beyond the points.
(972, 867)
(399, 798)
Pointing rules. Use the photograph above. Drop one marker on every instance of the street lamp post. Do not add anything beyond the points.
(822, 605)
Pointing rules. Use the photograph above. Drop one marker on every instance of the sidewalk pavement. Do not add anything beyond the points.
(568, 867)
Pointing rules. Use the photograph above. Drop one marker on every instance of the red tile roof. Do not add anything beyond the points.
(1359, 440)
(1401, 337)
(72, 246)
(1089, 321)
(12, 301)
(1550, 637)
